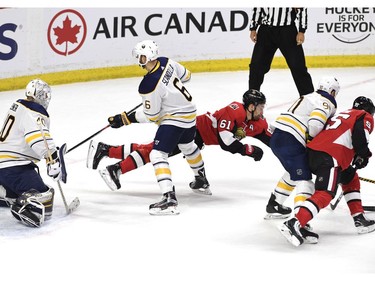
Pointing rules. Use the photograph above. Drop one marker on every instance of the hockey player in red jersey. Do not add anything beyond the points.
(226, 127)
(293, 130)
(343, 142)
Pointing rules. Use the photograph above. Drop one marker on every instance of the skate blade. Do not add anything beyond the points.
(166, 212)
(366, 229)
(288, 235)
(107, 179)
(276, 216)
(204, 191)
(310, 240)
(90, 155)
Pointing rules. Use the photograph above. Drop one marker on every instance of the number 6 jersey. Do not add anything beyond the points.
(166, 101)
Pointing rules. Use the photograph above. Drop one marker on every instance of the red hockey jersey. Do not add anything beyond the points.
(336, 138)
(229, 119)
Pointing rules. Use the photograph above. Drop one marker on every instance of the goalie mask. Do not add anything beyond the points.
(40, 91)
(330, 85)
(147, 48)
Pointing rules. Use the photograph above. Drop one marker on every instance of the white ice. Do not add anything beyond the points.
(111, 236)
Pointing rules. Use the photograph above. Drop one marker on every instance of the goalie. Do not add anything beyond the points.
(23, 140)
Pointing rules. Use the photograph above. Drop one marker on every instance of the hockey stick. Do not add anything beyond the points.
(90, 137)
(367, 180)
(75, 203)
(334, 205)
(369, 208)
(98, 132)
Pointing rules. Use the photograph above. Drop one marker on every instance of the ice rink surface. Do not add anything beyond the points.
(111, 236)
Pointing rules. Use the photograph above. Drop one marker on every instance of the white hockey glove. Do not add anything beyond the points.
(54, 168)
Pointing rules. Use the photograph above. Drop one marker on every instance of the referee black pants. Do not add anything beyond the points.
(269, 39)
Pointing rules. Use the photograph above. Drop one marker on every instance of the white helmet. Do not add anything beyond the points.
(330, 85)
(40, 91)
(147, 48)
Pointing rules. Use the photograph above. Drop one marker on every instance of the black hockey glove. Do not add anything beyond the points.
(360, 162)
(119, 120)
(253, 151)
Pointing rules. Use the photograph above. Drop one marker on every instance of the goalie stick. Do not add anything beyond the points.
(75, 203)
(98, 132)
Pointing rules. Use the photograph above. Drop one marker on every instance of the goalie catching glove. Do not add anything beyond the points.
(54, 167)
(253, 151)
(119, 120)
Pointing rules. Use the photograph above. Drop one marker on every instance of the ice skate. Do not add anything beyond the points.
(363, 225)
(291, 231)
(111, 176)
(308, 236)
(97, 151)
(167, 205)
(275, 210)
(201, 185)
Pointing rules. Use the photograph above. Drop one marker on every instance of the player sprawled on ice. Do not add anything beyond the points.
(292, 130)
(334, 156)
(24, 139)
(168, 104)
(225, 127)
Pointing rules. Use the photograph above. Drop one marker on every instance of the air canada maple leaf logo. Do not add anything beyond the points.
(67, 32)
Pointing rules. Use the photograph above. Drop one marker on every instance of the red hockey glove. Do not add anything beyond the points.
(253, 151)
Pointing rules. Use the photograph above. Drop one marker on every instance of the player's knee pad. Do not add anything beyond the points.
(305, 189)
(188, 148)
(33, 207)
(158, 156)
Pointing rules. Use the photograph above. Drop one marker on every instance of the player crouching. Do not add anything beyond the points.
(25, 140)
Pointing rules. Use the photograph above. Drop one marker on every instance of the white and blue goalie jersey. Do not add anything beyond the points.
(21, 140)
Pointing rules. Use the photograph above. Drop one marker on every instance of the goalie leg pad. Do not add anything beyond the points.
(5, 200)
(32, 208)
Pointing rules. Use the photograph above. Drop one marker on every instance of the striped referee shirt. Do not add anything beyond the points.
(279, 17)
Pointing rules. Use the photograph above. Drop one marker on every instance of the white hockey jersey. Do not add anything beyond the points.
(307, 115)
(165, 99)
(21, 140)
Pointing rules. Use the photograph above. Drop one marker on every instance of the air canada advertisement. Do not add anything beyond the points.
(49, 40)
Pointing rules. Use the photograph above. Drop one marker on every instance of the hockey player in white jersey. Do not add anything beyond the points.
(22, 144)
(293, 129)
(168, 104)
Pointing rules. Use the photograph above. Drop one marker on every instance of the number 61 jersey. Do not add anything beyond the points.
(339, 135)
(166, 101)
